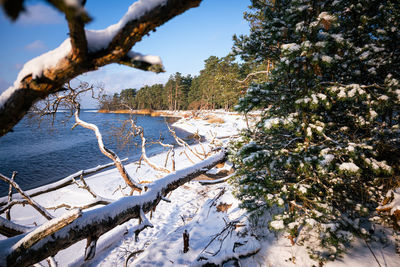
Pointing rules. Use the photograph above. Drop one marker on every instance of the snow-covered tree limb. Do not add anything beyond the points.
(94, 223)
(107, 152)
(216, 181)
(45, 230)
(9, 228)
(146, 159)
(48, 73)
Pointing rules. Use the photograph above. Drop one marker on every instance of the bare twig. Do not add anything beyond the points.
(138, 131)
(8, 217)
(12, 203)
(90, 204)
(133, 254)
(31, 202)
(253, 74)
(182, 143)
(373, 254)
(84, 186)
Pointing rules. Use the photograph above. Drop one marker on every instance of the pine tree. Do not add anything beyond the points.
(327, 147)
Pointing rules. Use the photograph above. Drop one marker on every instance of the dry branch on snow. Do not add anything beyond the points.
(94, 223)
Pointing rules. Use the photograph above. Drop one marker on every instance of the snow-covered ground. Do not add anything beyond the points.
(218, 229)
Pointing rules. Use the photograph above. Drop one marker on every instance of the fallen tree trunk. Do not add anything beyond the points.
(94, 223)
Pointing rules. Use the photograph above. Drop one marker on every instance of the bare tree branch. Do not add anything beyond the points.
(8, 217)
(31, 202)
(107, 152)
(144, 156)
(94, 202)
(253, 74)
(10, 204)
(182, 143)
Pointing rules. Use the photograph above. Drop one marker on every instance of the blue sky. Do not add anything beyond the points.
(183, 43)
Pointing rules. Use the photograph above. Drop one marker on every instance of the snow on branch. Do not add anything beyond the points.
(144, 223)
(9, 228)
(96, 222)
(86, 51)
(45, 230)
(143, 62)
(216, 181)
(108, 152)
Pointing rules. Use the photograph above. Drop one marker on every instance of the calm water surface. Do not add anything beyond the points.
(47, 154)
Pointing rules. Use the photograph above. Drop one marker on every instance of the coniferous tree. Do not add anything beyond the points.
(327, 147)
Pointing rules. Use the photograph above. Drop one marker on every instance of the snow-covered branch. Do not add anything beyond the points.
(216, 181)
(142, 62)
(85, 51)
(45, 230)
(9, 228)
(108, 152)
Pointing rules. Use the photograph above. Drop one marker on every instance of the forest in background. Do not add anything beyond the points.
(220, 84)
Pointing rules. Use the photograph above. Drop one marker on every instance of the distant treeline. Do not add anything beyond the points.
(219, 85)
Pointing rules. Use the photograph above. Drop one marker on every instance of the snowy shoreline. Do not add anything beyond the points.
(193, 208)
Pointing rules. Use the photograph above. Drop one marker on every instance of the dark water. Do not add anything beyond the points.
(49, 153)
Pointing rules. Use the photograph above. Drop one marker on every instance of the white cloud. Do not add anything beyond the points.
(35, 46)
(115, 78)
(40, 14)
